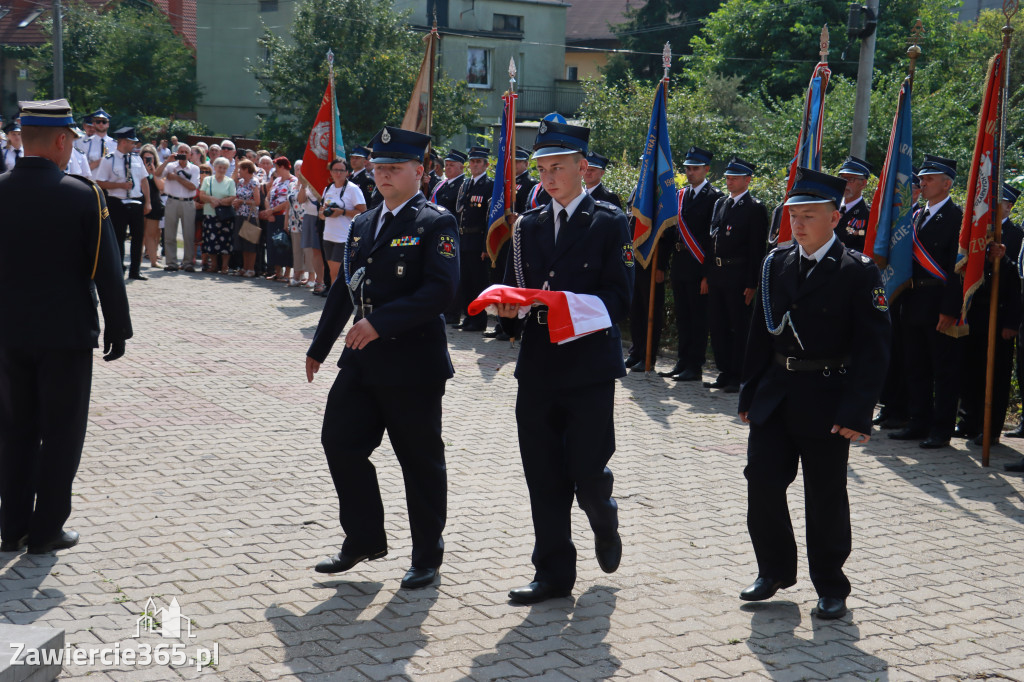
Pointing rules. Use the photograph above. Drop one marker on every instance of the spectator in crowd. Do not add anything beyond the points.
(250, 154)
(151, 221)
(310, 241)
(227, 151)
(13, 149)
(163, 151)
(279, 252)
(295, 213)
(181, 181)
(343, 201)
(213, 152)
(206, 153)
(265, 169)
(196, 156)
(217, 192)
(247, 203)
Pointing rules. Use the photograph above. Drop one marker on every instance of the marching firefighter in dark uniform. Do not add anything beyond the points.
(739, 231)
(596, 165)
(564, 408)
(401, 270)
(446, 194)
(524, 183)
(50, 327)
(430, 180)
(690, 246)
(854, 210)
(929, 311)
(1008, 318)
(471, 208)
(815, 364)
(360, 174)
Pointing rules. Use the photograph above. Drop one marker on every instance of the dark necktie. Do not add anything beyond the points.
(729, 203)
(128, 174)
(922, 217)
(842, 209)
(687, 195)
(17, 154)
(388, 217)
(805, 267)
(563, 218)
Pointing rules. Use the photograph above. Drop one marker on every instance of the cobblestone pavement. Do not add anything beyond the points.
(203, 480)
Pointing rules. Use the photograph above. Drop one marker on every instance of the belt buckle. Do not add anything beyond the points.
(365, 309)
(542, 316)
(788, 367)
(718, 261)
(679, 247)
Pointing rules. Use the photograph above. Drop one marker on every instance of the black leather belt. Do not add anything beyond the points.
(463, 230)
(722, 262)
(168, 196)
(923, 282)
(804, 365)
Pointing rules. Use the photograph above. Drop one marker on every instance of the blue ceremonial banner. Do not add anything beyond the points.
(890, 230)
(502, 201)
(655, 205)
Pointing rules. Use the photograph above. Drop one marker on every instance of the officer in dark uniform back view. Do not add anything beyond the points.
(814, 367)
(402, 269)
(50, 327)
(564, 408)
(471, 208)
(855, 211)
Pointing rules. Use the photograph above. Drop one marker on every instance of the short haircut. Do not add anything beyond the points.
(247, 165)
(187, 148)
(221, 161)
(283, 162)
(41, 136)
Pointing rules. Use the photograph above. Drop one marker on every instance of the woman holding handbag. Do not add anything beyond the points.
(279, 242)
(217, 194)
(247, 204)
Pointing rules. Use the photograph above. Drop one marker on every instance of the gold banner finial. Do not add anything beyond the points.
(914, 51)
(824, 44)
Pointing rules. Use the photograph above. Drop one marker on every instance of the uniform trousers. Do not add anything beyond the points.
(356, 417)
(473, 276)
(730, 321)
(128, 218)
(933, 378)
(894, 393)
(44, 410)
(566, 438)
(773, 451)
(638, 309)
(975, 348)
(183, 211)
(691, 309)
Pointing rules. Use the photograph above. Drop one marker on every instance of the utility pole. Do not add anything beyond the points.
(866, 18)
(58, 52)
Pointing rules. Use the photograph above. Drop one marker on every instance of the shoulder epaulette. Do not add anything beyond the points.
(608, 206)
(108, 156)
(436, 207)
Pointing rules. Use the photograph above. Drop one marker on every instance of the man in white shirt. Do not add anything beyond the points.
(78, 164)
(81, 143)
(123, 175)
(227, 151)
(181, 179)
(99, 144)
(13, 149)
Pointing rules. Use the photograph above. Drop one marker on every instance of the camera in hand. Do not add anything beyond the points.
(329, 210)
(180, 157)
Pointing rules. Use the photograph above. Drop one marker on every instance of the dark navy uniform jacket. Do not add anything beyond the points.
(364, 181)
(524, 184)
(602, 193)
(1008, 311)
(940, 236)
(473, 203)
(840, 313)
(853, 226)
(448, 195)
(697, 212)
(739, 234)
(44, 207)
(412, 272)
(594, 255)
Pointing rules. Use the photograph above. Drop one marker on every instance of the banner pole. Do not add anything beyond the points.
(666, 61)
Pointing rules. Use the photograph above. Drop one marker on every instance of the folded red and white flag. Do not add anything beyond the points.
(570, 316)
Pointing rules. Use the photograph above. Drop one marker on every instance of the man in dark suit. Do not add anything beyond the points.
(1008, 318)
(446, 194)
(739, 232)
(596, 165)
(471, 208)
(690, 244)
(402, 270)
(524, 183)
(930, 309)
(564, 409)
(815, 364)
(854, 211)
(50, 327)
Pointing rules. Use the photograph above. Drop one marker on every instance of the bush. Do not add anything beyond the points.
(159, 127)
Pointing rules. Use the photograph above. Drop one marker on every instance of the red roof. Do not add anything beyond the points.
(182, 14)
(589, 19)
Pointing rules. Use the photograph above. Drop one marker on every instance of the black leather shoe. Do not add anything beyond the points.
(1016, 433)
(676, 369)
(732, 388)
(138, 277)
(879, 418)
(493, 334)
(909, 433)
(830, 608)
(1016, 467)
(717, 383)
(640, 367)
(472, 327)
(66, 539)
(415, 578)
(171, 268)
(961, 432)
(14, 545)
(609, 553)
(979, 440)
(341, 562)
(537, 592)
(630, 362)
(931, 443)
(764, 588)
(688, 375)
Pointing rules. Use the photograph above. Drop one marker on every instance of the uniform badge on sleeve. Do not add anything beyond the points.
(627, 255)
(878, 299)
(446, 246)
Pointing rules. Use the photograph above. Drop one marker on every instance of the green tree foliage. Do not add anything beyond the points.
(377, 58)
(646, 29)
(127, 60)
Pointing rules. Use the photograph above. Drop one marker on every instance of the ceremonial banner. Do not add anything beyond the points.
(419, 114)
(655, 205)
(890, 231)
(808, 144)
(502, 199)
(569, 316)
(983, 187)
(325, 143)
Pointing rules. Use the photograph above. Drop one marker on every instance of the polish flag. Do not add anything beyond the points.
(570, 316)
